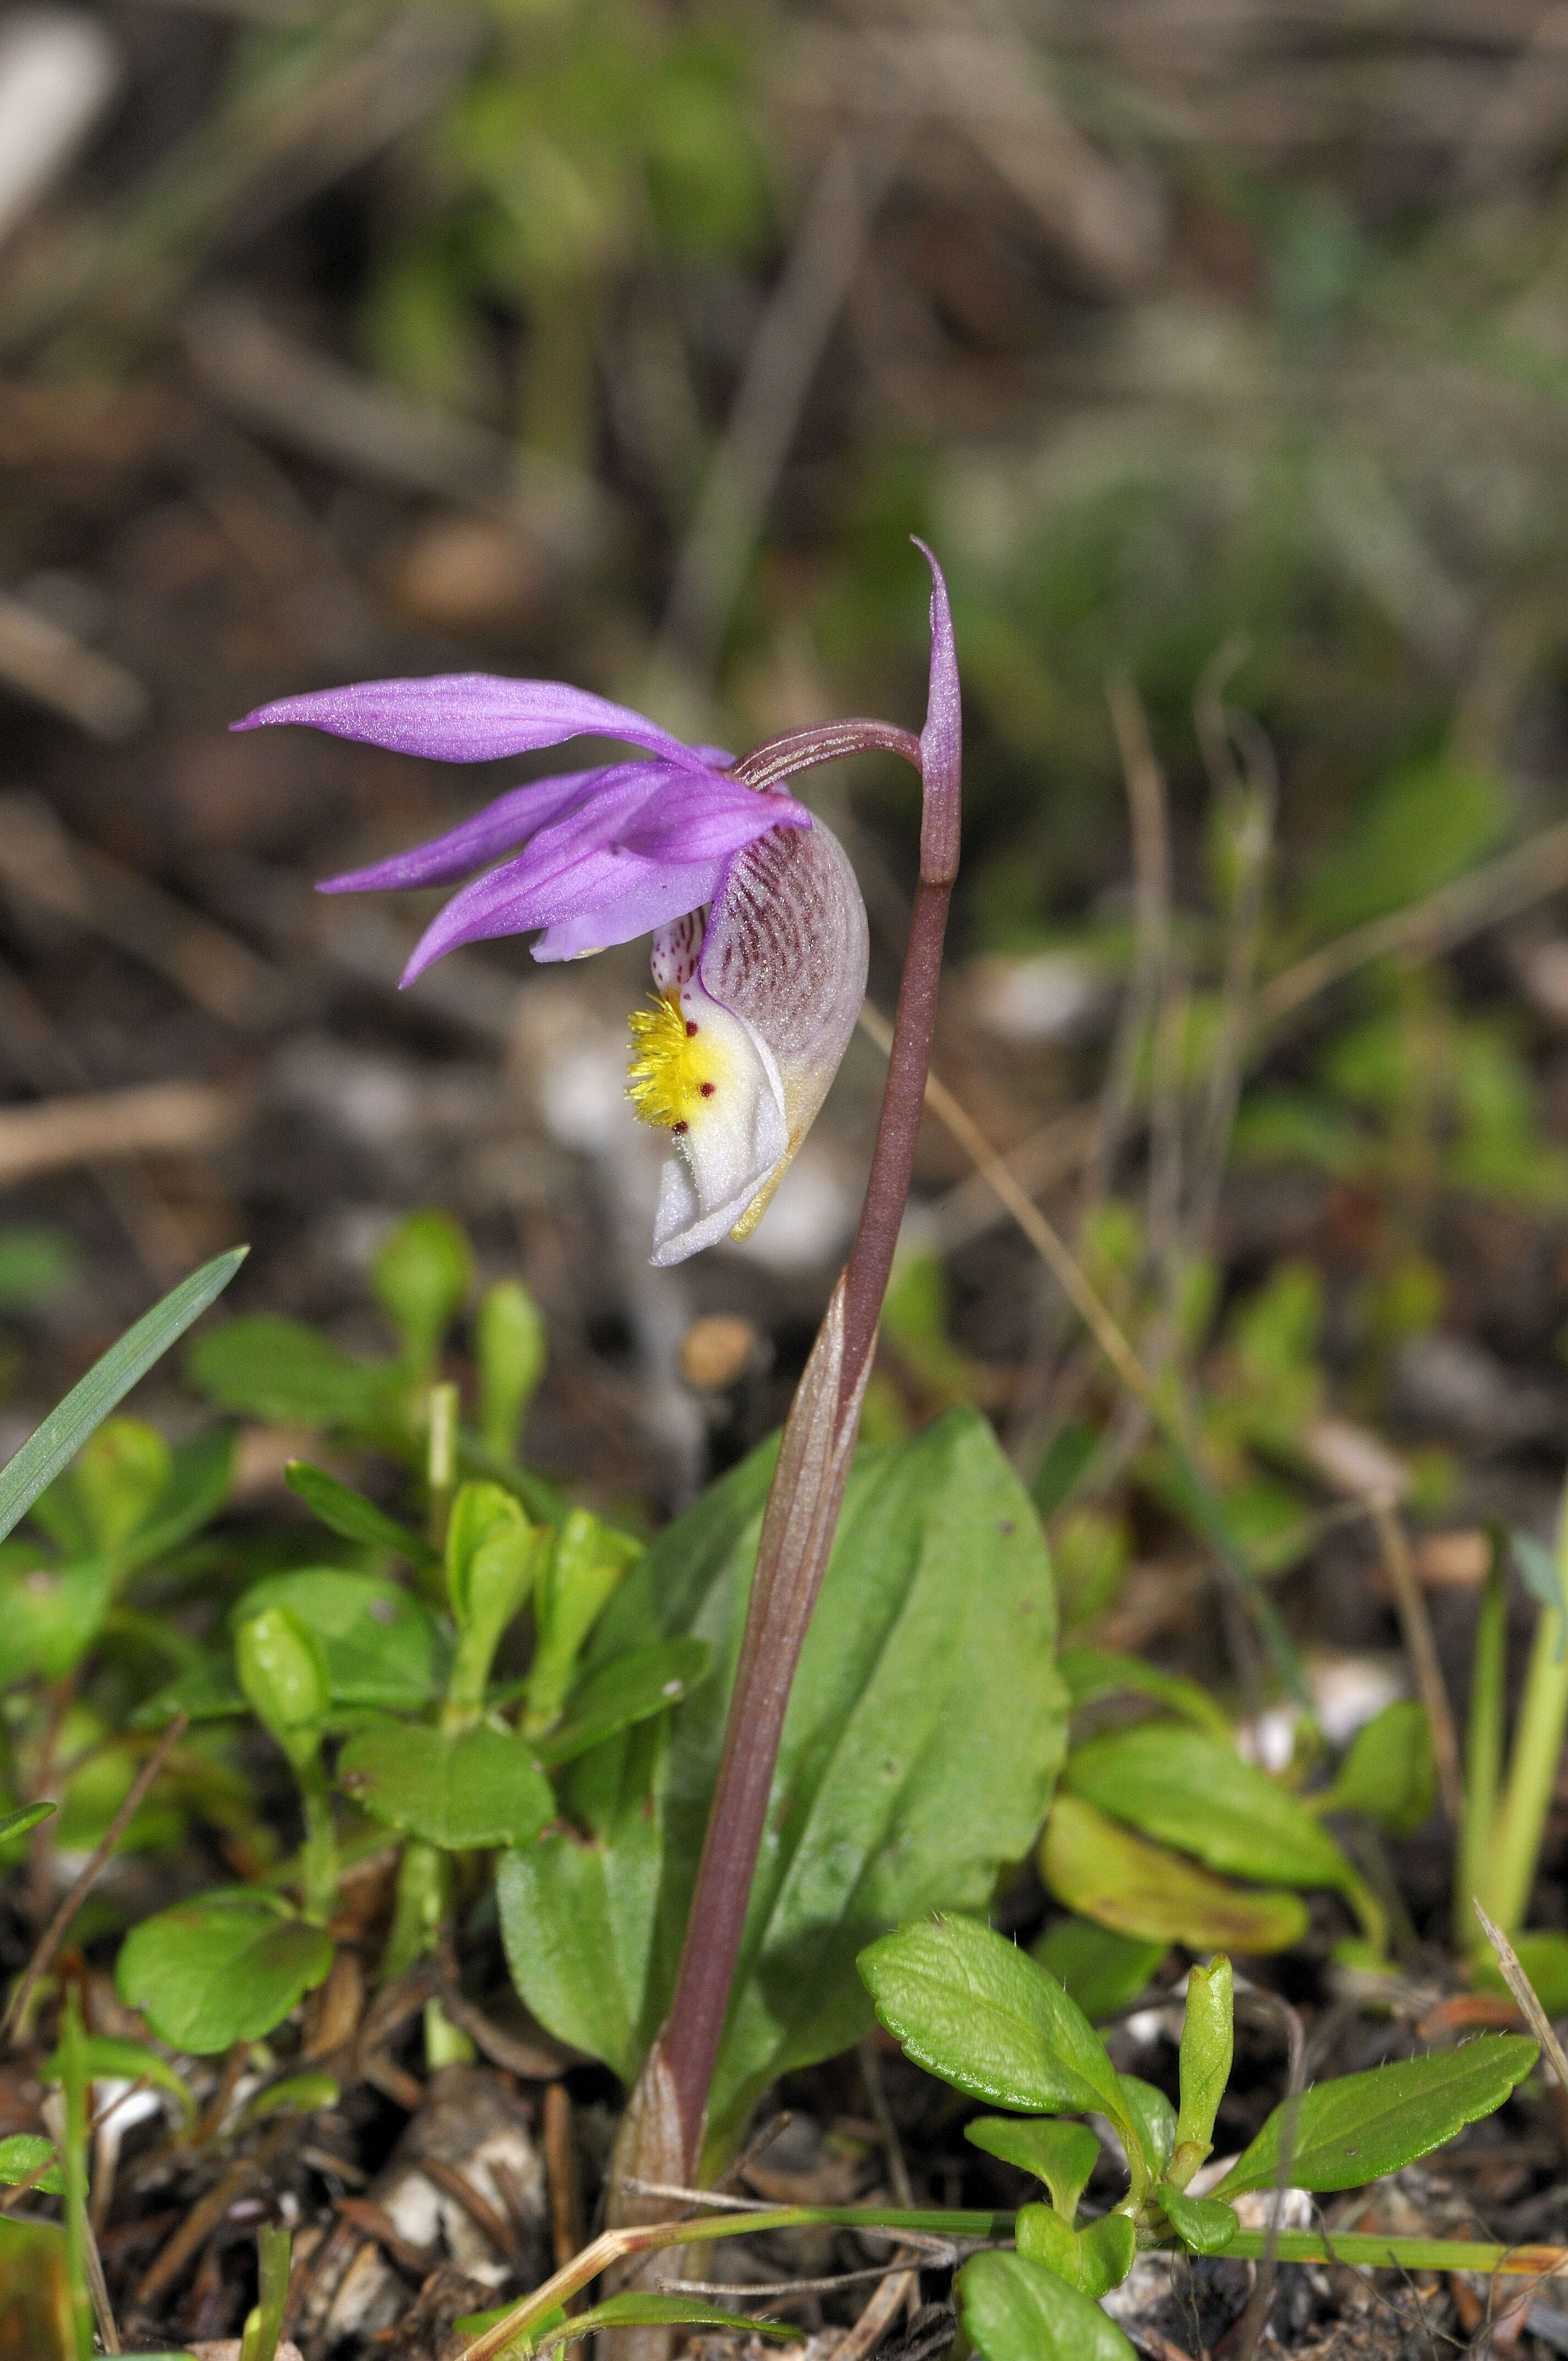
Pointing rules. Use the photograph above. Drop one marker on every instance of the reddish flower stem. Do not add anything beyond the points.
(808, 1483)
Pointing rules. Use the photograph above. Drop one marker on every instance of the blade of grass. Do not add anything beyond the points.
(1524, 1992)
(89, 2295)
(1520, 1821)
(1421, 1646)
(1484, 1746)
(68, 1426)
(49, 1940)
(1366, 2248)
(512, 2334)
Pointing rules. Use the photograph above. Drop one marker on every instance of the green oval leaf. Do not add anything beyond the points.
(1061, 2155)
(382, 1645)
(462, 1792)
(225, 1968)
(52, 1614)
(1194, 1792)
(21, 2153)
(968, 2005)
(1092, 1672)
(1093, 2260)
(1355, 2129)
(1098, 1867)
(1203, 2224)
(1015, 2310)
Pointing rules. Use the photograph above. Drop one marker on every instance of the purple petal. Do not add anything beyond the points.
(606, 897)
(941, 740)
(470, 716)
(640, 907)
(500, 827)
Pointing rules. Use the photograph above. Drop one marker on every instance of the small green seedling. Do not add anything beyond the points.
(997, 2026)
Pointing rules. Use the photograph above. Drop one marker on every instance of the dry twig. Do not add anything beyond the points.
(49, 1940)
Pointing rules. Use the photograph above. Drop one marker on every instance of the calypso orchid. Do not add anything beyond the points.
(760, 939)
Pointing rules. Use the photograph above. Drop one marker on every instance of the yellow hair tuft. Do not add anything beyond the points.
(669, 1065)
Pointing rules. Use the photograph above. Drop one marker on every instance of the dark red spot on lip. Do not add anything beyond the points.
(707, 1090)
(680, 1126)
(691, 1028)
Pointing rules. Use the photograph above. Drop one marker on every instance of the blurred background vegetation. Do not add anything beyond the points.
(1222, 352)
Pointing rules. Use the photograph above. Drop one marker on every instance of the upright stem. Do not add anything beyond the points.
(791, 1554)
(1533, 1773)
(669, 2113)
(1483, 1753)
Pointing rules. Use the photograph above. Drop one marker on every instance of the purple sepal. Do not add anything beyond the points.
(500, 827)
(634, 853)
(470, 716)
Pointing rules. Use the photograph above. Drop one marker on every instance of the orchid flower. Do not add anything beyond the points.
(760, 939)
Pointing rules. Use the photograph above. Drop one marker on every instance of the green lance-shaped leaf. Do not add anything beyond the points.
(1208, 2044)
(1353, 2130)
(296, 2094)
(269, 1368)
(968, 2005)
(626, 1690)
(1388, 1771)
(493, 1552)
(88, 1404)
(344, 1510)
(421, 1275)
(1015, 2309)
(16, 1824)
(460, 1790)
(583, 1569)
(1097, 1866)
(636, 2310)
(225, 1968)
(923, 1731)
(1094, 1672)
(1203, 2224)
(1191, 1790)
(511, 1347)
(281, 1666)
(1062, 2155)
